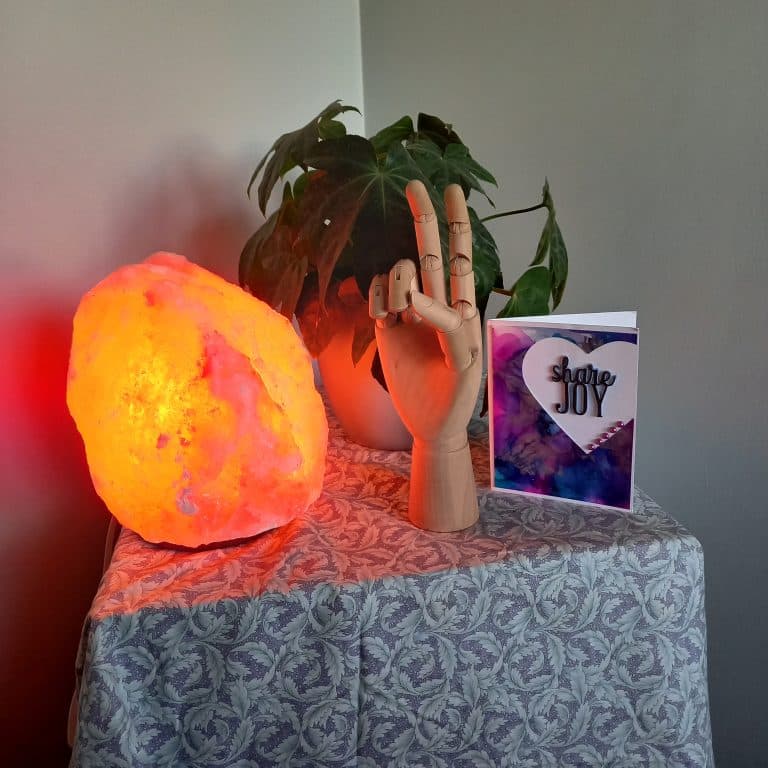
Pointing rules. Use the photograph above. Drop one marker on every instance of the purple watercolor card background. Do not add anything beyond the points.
(531, 454)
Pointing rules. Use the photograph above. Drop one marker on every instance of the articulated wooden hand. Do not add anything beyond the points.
(431, 356)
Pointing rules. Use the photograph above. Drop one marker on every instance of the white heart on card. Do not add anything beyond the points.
(591, 396)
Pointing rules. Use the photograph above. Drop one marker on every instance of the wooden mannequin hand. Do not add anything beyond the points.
(431, 357)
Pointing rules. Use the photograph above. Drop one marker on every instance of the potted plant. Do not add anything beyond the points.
(344, 218)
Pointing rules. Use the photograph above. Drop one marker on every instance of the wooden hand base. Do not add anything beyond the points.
(443, 495)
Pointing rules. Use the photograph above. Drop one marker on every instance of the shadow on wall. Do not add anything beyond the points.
(53, 527)
(192, 202)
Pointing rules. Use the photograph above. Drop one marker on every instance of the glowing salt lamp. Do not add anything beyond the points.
(196, 405)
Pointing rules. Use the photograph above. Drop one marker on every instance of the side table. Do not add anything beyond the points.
(549, 634)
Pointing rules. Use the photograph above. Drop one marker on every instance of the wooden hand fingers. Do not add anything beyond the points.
(460, 252)
(378, 302)
(427, 240)
(397, 294)
(453, 333)
(389, 296)
(402, 280)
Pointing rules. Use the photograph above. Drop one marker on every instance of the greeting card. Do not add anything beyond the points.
(563, 401)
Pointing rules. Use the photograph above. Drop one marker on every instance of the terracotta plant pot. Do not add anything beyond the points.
(361, 404)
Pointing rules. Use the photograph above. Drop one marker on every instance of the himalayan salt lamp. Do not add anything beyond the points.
(196, 404)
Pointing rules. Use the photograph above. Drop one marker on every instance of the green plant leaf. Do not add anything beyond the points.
(318, 326)
(291, 150)
(384, 231)
(436, 130)
(542, 249)
(273, 266)
(458, 154)
(345, 157)
(558, 254)
(331, 129)
(399, 131)
(364, 334)
(333, 199)
(252, 246)
(558, 263)
(350, 204)
(344, 307)
(530, 294)
(547, 197)
(331, 207)
(373, 193)
(485, 259)
(291, 281)
(355, 308)
(377, 371)
(453, 165)
(552, 247)
(301, 184)
(347, 215)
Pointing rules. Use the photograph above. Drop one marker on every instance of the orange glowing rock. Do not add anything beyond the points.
(196, 404)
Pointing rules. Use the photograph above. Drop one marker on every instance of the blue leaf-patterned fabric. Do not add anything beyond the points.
(549, 634)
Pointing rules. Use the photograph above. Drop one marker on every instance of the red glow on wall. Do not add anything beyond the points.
(52, 528)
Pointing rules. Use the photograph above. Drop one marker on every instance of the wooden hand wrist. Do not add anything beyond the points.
(443, 496)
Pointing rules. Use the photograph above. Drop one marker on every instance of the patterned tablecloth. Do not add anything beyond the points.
(548, 634)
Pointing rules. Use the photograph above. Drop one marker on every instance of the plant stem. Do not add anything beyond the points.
(514, 213)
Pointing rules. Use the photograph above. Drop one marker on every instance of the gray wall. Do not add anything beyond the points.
(125, 127)
(650, 121)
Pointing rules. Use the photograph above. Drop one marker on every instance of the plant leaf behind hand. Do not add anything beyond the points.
(436, 130)
(485, 260)
(399, 131)
(361, 199)
(291, 149)
(318, 326)
(384, 232)
(367, 192)
(273, 265)
(529, 295)
(452, 165)
(347, 214)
